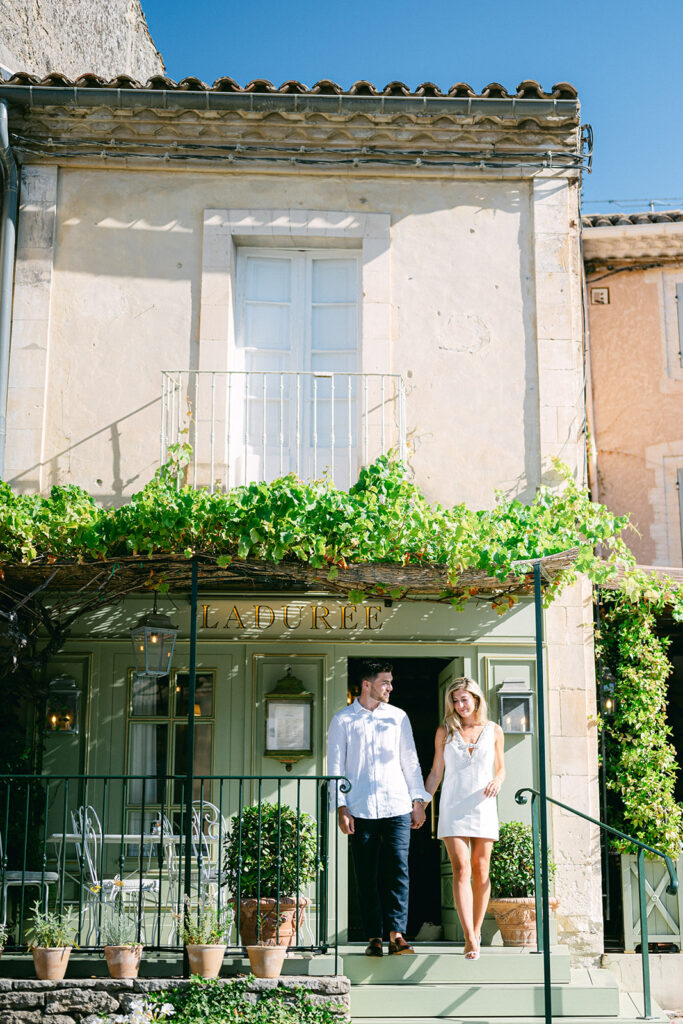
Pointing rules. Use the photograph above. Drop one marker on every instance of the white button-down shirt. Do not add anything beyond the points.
(375, 750)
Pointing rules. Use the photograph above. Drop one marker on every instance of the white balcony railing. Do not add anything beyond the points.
(252, 425)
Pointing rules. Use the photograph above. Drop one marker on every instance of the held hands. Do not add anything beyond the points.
(417, 815)
(346, 821)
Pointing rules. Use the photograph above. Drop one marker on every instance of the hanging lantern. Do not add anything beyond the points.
(153, 641)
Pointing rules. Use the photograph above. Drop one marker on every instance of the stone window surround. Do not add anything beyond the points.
(666, 460)
(225, 230)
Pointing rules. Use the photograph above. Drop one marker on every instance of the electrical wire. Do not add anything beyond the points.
(305, 155)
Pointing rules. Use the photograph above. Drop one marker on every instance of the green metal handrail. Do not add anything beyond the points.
(540, 892)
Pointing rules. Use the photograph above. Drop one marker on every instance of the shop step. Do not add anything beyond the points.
(442, 966)
(589, 993)
(630, 1012)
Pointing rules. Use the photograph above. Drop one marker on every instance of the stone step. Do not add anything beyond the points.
(439, 967)
(630, 1012)
(590, 993)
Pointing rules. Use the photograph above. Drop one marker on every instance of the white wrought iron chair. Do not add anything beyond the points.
(18, 879)
(101, 892)
(209, 832)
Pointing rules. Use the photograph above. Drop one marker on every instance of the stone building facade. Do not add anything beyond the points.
(454, 221)
(634, 273)
(108, 38)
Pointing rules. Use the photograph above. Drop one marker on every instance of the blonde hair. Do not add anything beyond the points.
(451, 719)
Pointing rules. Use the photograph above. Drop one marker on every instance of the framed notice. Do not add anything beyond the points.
(289, 715)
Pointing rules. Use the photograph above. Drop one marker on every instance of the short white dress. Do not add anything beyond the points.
(463, 809)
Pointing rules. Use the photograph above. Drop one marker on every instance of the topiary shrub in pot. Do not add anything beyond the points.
(512, 900)
(270, 859)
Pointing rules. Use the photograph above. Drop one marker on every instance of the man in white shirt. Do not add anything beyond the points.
(372, 744)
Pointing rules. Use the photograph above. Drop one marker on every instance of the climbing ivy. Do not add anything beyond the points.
(386, 518)
(640, 760)
(382, 518)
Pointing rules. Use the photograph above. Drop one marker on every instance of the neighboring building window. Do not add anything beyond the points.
(157, 737)
(679, 311)
(679, 484)
(295, 396)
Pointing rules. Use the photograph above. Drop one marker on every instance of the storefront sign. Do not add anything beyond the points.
(280, 618)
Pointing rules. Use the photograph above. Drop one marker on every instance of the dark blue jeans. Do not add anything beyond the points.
(379, 849)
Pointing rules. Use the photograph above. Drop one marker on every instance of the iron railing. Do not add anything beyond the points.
(121, 845)
(252, 425)
(540, 892)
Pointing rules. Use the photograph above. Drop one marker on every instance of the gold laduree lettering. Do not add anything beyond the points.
(347, 610)
(234, 614)
(371, 613)
(205, 618)
(320, 612)
(258, 608)
(285, 615)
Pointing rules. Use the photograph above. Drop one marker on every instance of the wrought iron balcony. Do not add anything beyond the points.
(252, 425)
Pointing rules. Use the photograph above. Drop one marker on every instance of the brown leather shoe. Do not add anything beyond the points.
(399, 946)
(374, 948)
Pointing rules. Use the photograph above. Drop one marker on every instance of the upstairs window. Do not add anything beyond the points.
(295, 400)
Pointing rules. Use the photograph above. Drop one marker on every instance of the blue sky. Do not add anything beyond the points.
(624, 58)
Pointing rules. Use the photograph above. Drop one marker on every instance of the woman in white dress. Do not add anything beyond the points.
(469, 748)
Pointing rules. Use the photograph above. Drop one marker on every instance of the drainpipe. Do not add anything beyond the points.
(8, 239)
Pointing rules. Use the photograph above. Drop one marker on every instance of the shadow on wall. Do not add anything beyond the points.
(55, 473)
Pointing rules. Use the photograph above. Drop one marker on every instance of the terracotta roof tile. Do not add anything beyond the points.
(461, 89)
(396, 89)
(260, 85)
(610, 220)
(292, 86)
(161, 82)
(90, 81)
(564, 91)
(494, 90)
(428, 89)
(55, 78)
(528, 89)
(193, 84)
(327, 88)
(123, 82)
(363, 89)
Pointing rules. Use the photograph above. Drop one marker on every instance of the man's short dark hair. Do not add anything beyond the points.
(371, 669)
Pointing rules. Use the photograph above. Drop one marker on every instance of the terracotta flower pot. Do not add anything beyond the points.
(51, 962)
(123, 961)
(516, 918)
(206, 961)
(271, 933)
(266, 961)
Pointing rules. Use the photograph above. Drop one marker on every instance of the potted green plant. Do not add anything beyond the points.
(270, 858)
(122, 950)
(51, 941)
(4, 935)
(512, 885)
(265, 958)
(204, 931)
